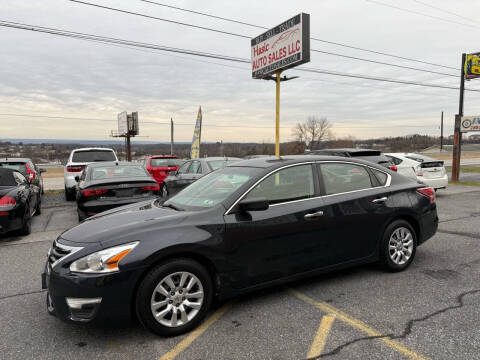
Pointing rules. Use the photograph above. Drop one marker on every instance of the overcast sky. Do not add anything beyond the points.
(49, 75)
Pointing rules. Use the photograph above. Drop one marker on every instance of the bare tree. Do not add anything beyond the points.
(312, 131)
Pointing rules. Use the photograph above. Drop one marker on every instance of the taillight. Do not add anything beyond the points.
(31, 173)
(3, 213)
(7, 202)
(73, 168)
(393, 168)
(154, 187)
(428, 192)
(93, 192)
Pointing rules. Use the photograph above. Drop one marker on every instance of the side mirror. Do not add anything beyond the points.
(77, 178)
(42, 170)
(255, 204)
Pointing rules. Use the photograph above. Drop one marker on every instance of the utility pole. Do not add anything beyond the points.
(171, 136)
(457, 136)
(129, 150)
(441, 133)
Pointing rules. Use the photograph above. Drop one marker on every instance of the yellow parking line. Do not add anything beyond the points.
(321, 338)
(182, 345)
(359, 325)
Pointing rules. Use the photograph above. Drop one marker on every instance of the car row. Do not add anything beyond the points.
(251, 224)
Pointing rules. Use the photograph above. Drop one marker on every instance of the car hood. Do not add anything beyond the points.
(126, 222)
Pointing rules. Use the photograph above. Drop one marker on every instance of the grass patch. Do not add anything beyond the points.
(467, 183)
(471, 169)
(53, 192)
(53, 172)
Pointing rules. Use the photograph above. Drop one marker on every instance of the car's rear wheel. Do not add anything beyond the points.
(398, 246)
(69, 195)
(38, 209)
(26, 223)
(164, 191)
(174, 297)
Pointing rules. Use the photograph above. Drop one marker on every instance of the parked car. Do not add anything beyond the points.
(19, 201)
(106, 185)
(27, 168)
(249, 225)
(78, 159)
(160, 166)
(191, 171)
(375, 156)
(419, 167)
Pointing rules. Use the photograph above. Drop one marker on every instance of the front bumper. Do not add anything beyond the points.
(90, 297)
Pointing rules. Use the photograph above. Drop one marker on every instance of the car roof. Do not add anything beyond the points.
(112, 163)
(11, 159)
(163, 156)
(274, 162)
(348, 150)
(218, 158)
(90, 149)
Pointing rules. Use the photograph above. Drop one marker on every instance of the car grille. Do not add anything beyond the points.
(59, 251)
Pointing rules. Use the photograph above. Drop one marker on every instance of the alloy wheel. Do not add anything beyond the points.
(400, 245)
(177, 299)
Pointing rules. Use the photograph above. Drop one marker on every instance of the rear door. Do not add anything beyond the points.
(194, 172)
(177, 181)
(357, 204)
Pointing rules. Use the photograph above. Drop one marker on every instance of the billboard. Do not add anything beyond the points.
(472, 66)
(282, 47)
(122, 123)
(133, 123)
(470, 123)
(195, 149)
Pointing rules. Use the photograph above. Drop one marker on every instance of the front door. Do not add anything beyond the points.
(283, 240)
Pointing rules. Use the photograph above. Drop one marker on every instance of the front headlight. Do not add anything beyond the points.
(103, 261)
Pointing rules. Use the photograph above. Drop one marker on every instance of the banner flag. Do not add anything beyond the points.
(195, 150)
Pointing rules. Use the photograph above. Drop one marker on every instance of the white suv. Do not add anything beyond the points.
(78, 159)
(419, 167)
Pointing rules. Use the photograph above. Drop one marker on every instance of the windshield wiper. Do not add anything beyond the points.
(171, 206)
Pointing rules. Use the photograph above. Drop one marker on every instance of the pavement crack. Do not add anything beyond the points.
(408, 327)
(22, 294)
(50, 215)
(461, 233)
(461, 218)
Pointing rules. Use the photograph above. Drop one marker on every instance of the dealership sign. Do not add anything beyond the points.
(472, 66)
(470, 123)
(282, 47)
(122, 123)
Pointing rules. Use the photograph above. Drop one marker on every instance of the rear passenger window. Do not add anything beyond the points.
(293, 183)
(196, 167)
(340, 178)
(381, 176)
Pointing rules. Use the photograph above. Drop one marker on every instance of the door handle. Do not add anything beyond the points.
(313, 215)
(380, 200)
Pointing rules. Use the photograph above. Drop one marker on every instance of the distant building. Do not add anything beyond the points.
(474, 137)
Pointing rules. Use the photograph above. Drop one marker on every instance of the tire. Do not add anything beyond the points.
(164, 192)
(69, 195)
(398, 246)
(38, 209)
(26, 223)
(148, 294)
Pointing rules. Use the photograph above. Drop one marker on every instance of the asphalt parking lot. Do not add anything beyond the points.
(429, 311)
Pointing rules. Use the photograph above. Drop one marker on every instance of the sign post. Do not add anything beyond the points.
(282, 47)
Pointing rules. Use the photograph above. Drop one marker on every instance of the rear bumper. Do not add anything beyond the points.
(9, 223)
(94, 207)
(439, 183)
(428, 225)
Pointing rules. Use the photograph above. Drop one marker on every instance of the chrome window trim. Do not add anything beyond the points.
(387, 183)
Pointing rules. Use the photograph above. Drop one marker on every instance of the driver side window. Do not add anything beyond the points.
(184, 168)
(293, 183)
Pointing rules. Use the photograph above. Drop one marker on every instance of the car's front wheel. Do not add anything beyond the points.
(174, 297)
(398, 246)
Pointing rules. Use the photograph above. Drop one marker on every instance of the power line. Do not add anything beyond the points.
(192, 124)
(420, 13)
(312, 38)
(85, 36)
(248, 37)
(445, 11)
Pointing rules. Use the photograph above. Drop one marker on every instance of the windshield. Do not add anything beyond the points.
(19, 166)
(217, 164)
(93, 155)
(166, 162)
(109, 172)
(212, 189)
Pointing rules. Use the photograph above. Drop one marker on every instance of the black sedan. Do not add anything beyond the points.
(191, 171)
(252, 224)
(106, 185)
(18, 201)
